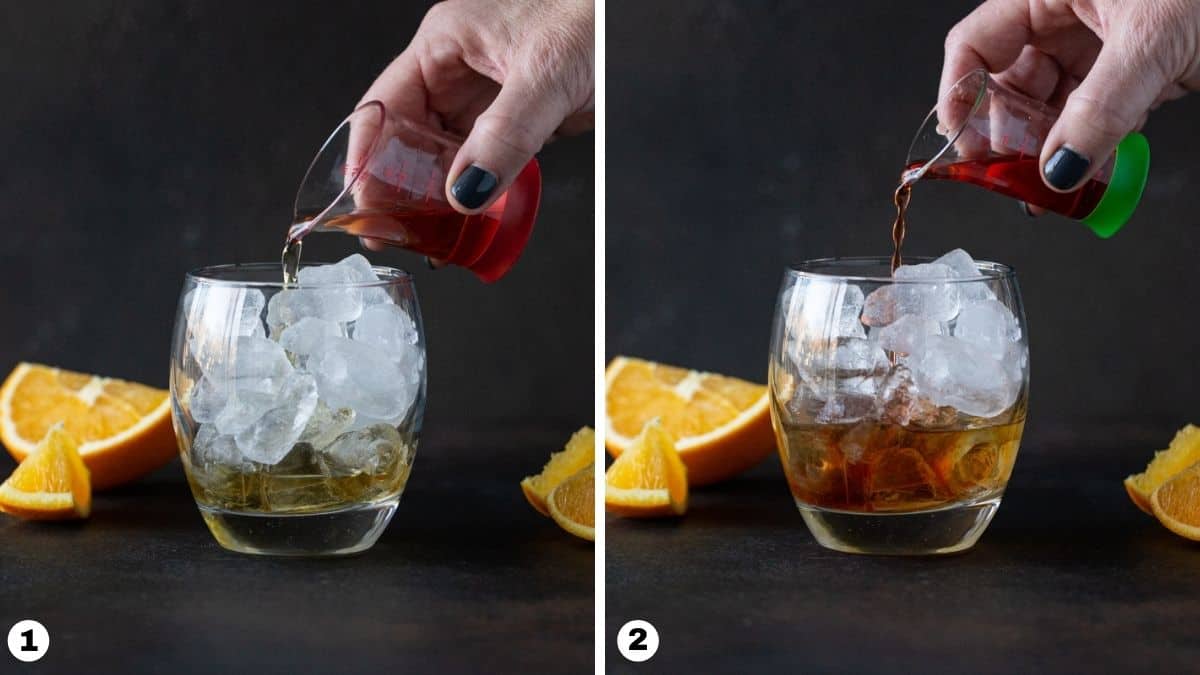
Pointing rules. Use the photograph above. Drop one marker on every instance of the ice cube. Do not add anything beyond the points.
(850, 312)
(373, 450)
(206, 400)
(906, 333)
(250, 357)
(269, 438)
(960, 262)
(843, 408)
(901, 476)
(352, 374)
(965, 268)
(358, 269)
(963, 375)
(299, 481)
(224, 310)
(901, 402)
(386, 327)
(843, 366)
(922, 295)
(364, 421)
(305, 336)
(332, 304)
(897, 394)
(326, 424)
(924, 272)
(989, 324)
(217, 315)
(857, 358)
(210, 447)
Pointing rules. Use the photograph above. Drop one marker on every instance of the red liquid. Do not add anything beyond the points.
(487, 243)
(433, 230)
(1020, 178)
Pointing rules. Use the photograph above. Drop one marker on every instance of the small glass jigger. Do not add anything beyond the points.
(982, 133)
(381, 176)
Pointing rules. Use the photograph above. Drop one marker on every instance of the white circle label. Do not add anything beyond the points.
(28, 640)
(637, 640)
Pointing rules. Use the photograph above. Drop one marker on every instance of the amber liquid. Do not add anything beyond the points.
(1017, 177)
(874, 467)
(433, 230)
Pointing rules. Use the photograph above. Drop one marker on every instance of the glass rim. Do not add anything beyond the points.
(988, 270)
(224, 275)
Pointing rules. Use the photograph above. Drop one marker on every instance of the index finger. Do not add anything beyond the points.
(991, 37)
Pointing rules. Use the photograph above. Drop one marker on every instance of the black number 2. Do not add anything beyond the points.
(28, 646)
(639, 639)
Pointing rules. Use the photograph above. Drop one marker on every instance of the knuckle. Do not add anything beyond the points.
(439, 13)
(561, 62)
(1101, 117)
(509, 134)
(955, 38)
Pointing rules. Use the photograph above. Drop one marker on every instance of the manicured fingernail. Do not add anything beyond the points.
(429, 263)
(1025, 209)
(473, 187)
(1065, 167)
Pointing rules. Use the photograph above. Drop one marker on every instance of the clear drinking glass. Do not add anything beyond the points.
(898, 404)
(298, 409)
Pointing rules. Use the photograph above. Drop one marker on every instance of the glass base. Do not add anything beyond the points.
(330, 533)
(948, 529)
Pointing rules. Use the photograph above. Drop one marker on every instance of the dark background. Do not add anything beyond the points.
(140, 140)
(744, 136)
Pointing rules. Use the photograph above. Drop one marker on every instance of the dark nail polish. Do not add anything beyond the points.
(473, 187)
(1065, 167)
(429, 263)
(1025, 209)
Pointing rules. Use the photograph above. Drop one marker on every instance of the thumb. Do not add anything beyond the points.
(502, 141)
(1110, 102)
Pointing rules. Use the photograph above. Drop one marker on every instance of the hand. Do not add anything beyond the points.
(1105, 63)
(507, 74)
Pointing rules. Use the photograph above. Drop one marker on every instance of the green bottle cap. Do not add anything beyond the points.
(1130, 169)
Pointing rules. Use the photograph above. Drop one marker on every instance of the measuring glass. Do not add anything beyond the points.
(985, 134)
(382, 176)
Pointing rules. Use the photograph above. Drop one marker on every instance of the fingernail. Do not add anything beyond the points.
(1025, 209)
(1065, 167)
(473, 187)
(429, 263)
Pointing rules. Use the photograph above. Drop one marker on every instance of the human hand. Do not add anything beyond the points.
(509, 75)
(1104, 63)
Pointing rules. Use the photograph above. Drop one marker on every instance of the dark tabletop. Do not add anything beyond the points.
(467, 578)
(1070, 577)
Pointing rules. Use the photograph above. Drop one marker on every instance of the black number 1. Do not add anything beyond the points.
(28, 646)
(639, 639)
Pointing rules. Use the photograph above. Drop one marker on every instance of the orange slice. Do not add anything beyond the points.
(572, 504)
(1176, 503)
(721, 425)
(51, 484)
(1183, 452)
(579, 453)
(649, 479)
(123, 428)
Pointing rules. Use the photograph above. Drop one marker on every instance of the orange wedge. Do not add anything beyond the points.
(649, 479)
(1183, 452)
(123, 428)
(572, 504)
(1176, 503)
(721, 425)
(579, 453)
(51, 484)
